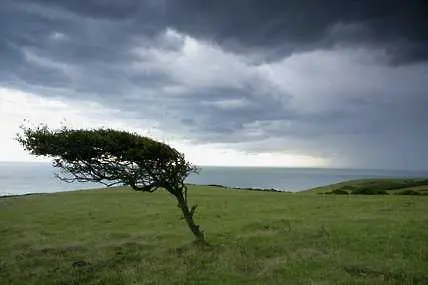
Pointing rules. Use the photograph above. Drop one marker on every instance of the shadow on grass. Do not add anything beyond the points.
(400, 277)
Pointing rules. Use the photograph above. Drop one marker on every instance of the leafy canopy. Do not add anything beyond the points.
(110, 157)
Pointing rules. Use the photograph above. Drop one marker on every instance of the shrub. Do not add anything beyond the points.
(369, 191)
(339, 192)
(408, 192)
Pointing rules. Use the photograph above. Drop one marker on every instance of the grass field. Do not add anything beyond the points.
(118, 236)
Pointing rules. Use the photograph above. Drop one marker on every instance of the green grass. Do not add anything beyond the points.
(391, 185)
(122, 237)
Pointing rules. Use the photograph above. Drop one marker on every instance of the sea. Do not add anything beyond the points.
(18, 178)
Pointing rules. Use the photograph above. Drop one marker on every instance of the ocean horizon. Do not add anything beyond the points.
(18, 178)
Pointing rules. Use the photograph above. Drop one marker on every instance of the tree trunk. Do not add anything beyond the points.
(188, 216)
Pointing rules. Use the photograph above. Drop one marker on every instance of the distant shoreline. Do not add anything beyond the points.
(190, 184)
(392, 185)
(19, 178)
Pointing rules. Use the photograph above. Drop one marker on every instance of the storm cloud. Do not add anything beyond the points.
(345, 81)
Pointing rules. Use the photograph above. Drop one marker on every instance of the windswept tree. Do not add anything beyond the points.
(114, 157)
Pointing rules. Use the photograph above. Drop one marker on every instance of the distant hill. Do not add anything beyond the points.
(391, 185)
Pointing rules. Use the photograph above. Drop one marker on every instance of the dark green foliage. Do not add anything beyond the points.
(368, 191)
(339, 192)
(409, 192)
(114, 157)
(109, 157)
(217, 185)
(258, 189)
(248, 188)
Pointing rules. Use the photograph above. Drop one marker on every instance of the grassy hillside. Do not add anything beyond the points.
(123, 237)
(391, 185)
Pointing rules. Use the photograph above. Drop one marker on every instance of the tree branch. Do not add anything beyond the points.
(193, 210)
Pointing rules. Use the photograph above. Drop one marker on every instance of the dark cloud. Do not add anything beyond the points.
(280, 27)
(109, 9)
(345, 80)
(290, 26)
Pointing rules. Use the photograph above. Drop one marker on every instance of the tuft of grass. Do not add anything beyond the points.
(118, 236)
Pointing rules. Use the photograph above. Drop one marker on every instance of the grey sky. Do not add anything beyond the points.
(345, 81)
